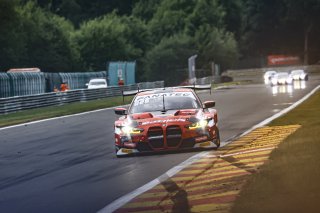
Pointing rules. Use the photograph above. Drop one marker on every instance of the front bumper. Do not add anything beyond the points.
(200, 145)
(165, 138)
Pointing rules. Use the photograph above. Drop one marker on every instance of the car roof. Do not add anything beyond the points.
(165, 90)
(98, 79)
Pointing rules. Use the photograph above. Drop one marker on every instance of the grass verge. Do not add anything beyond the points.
(56, 111)
(289, 182)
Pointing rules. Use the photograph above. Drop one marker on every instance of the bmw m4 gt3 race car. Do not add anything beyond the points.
(164, 120)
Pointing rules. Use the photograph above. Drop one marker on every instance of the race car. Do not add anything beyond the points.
(299, 75)
(165, 120)
(281, 78)
(268, 76)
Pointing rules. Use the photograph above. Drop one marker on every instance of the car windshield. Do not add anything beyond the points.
(282, 75)
(97, 83)
(270, 73)
(172, 100)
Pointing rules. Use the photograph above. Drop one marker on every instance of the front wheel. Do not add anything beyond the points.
(117, 149)
(217, 141)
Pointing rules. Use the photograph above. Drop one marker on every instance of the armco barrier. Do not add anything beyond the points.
(14, 104)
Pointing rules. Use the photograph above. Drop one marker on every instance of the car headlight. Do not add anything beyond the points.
(200, 124)
(131, 130)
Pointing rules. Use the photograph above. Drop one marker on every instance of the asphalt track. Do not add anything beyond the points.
(68, 164)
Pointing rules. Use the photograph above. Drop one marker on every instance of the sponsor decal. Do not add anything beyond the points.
(283, 60)
(128, 151)
(163, 121)
(198, 139)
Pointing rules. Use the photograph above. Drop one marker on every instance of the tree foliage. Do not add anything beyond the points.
(111, 38)
(80, 35)
(11, 39)
(39, 39)
(167, 60)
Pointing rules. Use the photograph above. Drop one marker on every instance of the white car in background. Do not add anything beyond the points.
(97, 83)
(268, 76)
(299, 75)
(281, 78)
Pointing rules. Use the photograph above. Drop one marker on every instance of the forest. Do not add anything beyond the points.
(160, 35)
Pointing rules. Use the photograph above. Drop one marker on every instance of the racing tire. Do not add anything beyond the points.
(116, 149)
(217, 141)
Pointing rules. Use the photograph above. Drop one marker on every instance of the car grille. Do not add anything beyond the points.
(143, 147)
(173, 136)
(187, 143)
(155, 137)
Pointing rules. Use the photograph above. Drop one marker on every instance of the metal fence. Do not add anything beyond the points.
(27, 83)
(14, 104)
(23, 83)
(79, 80)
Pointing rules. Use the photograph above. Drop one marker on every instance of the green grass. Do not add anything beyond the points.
(290, 181)
(55, 111)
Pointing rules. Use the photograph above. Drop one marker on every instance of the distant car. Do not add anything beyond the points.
(299, 75)
(97, 83)
(166, 119)
(268, 75)
(281, 78)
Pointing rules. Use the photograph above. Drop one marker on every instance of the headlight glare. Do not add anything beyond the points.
(131, 130)
(200, 124)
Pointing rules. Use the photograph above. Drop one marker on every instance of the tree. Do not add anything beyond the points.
(305, 17)
(47, 40)
(168, 60)
(11, 38)
(205, 12)
(216, 45)
(261, 22)
(79, 11)
(170, 18)
(234, 10)
(145, 9)
(111, 38)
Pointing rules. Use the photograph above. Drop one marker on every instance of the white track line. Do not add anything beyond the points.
(126, 198)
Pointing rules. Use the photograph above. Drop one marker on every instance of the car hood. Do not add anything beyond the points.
(169, 117)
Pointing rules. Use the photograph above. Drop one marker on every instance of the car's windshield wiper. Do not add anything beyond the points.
(163, 105)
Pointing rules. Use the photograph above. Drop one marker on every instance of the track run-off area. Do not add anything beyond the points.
(68, 164)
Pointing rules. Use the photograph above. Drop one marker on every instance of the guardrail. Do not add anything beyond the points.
(14, 104)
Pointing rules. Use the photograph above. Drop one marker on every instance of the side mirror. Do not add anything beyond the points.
(87, 84)
(208, 104)
(120, 111)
